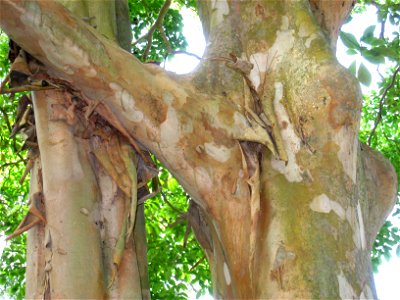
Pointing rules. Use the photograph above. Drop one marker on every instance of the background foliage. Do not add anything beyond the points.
(175, 269)
(13, 195)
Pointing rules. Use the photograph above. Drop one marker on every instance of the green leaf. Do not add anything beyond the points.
(363, 75)
(368, 32)
(398, 251)
(351, 51)
(349, 40)
(373, 56)
(352, 68)
(388, 52)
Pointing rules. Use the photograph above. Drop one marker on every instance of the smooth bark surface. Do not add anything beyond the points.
(263, 136)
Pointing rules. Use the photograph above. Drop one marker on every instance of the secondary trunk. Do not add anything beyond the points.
(83, 250)
(263, 136)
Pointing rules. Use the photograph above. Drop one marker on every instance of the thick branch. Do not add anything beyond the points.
(169, 117)
(379, 178)
(331, 15)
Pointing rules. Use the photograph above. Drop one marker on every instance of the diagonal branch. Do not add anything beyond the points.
(381, 102)
(157, 25)
(6, 119)
(165, 114)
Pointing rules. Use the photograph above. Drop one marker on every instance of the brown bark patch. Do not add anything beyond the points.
(227, 116)
(157, 110)
(260, 11)
(345, 95)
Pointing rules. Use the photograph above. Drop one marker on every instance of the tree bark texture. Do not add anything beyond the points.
(263, 136)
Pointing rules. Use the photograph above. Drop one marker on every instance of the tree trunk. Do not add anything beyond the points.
(263, 137)
(78, 254)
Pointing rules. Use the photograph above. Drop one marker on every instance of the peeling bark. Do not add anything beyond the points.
(299, 227)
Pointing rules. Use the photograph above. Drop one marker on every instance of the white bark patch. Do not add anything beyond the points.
(227, 275)
(263, 61)
(219, 153)
(345, 289)
(202, 178)
(358, 234)
(170, 131)
(71, 54)
(34, 16)
(310, 39)
(168, 98)
(361, 226)
(274, 239)
(127, 102)
(220, 8)
(291, 141)
(75, 59)
(366, 293)
(245, 131)
(323, 204)
(304, 30)
(282, 256)
(283, 43)
(348, 151)
(260, 61)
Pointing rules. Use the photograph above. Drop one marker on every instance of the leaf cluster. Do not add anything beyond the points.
(144, 13)
(177, 267)
(375, 49)
(13, 196)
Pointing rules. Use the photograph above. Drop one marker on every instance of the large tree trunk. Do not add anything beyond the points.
(263, 137)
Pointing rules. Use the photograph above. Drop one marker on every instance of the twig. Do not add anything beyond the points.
(179, 220)
(170, 204)
(148, 196)
(4, 82)
(157, 25)
(381, 102)
(198, 262)
(382, 33)
(187, 232)
(378, 6)
(6, 119)
(165, 39)
(26, 88)
(394, 142)
(185, 52)
(13, 163)
(9, 127)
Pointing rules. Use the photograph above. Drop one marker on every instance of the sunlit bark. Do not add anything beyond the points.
(263, 137)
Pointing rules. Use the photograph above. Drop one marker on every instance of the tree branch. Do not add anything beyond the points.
(6, 119)
(331, 15)
(381, 102)
(157, 25)
(379, 178)
(165, 114)
(185, 52)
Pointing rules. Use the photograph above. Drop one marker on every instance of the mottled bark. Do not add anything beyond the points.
(263, 137)
(78, 252)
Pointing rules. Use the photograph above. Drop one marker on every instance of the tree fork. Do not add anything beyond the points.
(308, 216)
